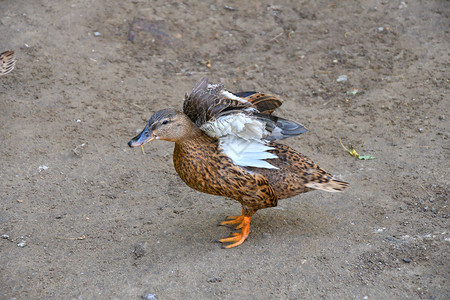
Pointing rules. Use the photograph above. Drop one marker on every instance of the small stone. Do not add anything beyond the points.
(97, 33)
(402, 5)
(407, 260)
(148, 296)
(22, 244)
(420, 129)
(5, 236)
(342, 78)
(380, 29)
(227, 7)
(441, 117)
(42, 168)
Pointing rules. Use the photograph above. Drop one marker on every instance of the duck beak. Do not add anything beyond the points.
(144, 137)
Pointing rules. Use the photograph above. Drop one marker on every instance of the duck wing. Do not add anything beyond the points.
(264, 103)
(219, 112)
(209, 101)
(243, 122)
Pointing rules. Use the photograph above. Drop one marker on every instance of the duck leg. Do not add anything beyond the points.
(237, 237)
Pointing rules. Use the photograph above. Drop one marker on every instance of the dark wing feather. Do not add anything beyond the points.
(244, 94)
(280, 128)
(206, 102)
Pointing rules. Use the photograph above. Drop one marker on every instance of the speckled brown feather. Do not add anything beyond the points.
(7, 62)
(202, 167)
(254, 188)
(264, 103)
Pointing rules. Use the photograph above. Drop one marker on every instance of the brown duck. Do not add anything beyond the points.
(224, 145)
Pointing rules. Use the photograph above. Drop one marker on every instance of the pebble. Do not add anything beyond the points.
(380, 29)
(5, 236)
(43, 167)
(420, 129)
(342, 78)
(22, 244)
(407, 260)
(97, 33)
(227, 7)
(148, 296)
(441, 117)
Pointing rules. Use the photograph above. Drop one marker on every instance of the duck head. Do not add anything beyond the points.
(167, 124)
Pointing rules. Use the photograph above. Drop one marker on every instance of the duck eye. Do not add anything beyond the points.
(165, 122)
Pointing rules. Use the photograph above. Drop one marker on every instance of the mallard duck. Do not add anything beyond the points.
(224, 145)
(7, 62)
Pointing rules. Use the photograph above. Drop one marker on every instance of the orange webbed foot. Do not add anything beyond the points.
(233, 220)
(237, 237)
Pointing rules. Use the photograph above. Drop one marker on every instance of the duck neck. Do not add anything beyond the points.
(193, 133)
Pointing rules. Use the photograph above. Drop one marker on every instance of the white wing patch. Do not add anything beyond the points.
(213, 86)
(241, 138)
(232, 96)
(247, 153)
(238, 124)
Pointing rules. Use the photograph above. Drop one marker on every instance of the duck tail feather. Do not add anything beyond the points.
(328, 184)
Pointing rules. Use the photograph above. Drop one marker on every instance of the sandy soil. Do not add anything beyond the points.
(105, 222)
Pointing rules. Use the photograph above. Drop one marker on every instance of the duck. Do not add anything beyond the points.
(7, 62)
(226, 145)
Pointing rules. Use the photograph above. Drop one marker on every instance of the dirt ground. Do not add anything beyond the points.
(85, 217)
